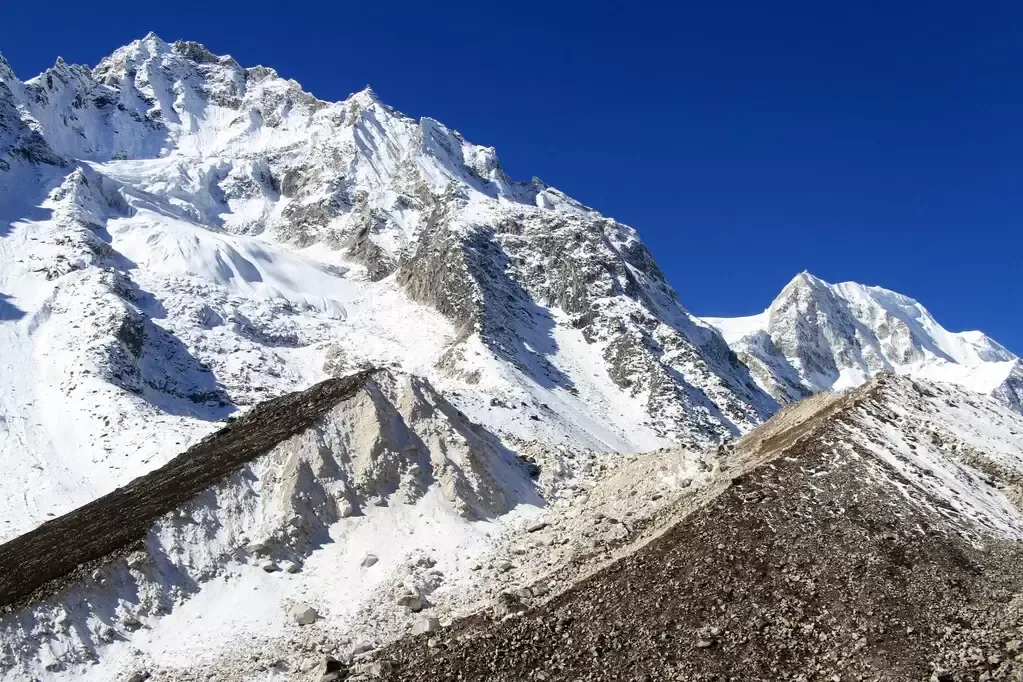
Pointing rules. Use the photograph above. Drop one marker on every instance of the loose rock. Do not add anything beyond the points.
(426, 624)
(303, 614)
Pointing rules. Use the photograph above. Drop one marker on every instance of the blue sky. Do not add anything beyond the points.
(875, 141)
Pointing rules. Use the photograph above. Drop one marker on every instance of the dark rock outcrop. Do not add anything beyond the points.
(119, 519)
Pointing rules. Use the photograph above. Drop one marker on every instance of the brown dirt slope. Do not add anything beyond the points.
(809, 566)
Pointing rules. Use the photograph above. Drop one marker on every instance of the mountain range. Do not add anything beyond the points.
(183, 239)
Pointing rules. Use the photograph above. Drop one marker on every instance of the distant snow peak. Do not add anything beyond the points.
(817, 336)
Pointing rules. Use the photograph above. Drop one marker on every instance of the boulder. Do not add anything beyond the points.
(425, 561)
(369, 560)
(425, 625)
(303, 614)
(507, 604)
(413, 602)
(329, 669)
(380, 668)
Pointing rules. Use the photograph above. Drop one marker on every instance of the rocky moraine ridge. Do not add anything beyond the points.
(817, 561)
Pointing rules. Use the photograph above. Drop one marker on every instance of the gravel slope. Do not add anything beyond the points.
(815, 564)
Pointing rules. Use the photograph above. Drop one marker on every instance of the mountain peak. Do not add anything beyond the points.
(806, 278)
(800, 287)
(365, 97)
(147, 46)
(383, 194)
(824, 336)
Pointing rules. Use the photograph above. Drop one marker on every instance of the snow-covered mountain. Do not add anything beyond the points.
(816, 336)
(181, 236)
(189, 246)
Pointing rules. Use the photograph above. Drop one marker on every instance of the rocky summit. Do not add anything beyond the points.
(297, 389)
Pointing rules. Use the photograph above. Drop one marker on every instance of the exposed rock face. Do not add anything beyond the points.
(18, 140)
(823, 560)
(1010, 391)
(501, 280)
(396, 438)
(425, 625)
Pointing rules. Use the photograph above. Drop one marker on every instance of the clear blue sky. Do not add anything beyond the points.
(875, 141)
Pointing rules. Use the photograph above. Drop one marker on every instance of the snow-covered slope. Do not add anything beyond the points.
(181, 237)
(816, 336)
(379, 505)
